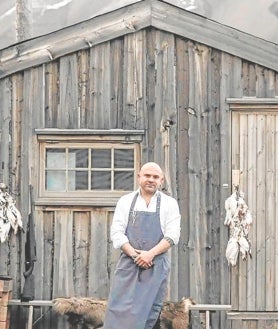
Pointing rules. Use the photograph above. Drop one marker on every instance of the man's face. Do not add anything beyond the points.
(150, 179)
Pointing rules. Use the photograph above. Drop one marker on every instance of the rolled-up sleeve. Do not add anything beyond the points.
(170, 219)
(119, 224)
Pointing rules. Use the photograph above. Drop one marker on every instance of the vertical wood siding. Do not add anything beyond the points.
(175, 89)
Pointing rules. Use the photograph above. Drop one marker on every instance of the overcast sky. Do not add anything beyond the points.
(257, 17)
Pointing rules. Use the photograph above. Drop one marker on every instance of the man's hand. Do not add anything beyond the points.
(144, 258)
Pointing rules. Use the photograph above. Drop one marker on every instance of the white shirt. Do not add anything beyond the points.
(169, 216)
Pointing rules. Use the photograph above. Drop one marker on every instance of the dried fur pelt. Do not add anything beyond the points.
(10, 216)
(239, 220)
(88, 313)
(176, 315)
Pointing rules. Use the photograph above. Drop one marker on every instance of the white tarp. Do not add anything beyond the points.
(257, 17)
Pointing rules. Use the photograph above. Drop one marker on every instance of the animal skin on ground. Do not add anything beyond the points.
(88, 313)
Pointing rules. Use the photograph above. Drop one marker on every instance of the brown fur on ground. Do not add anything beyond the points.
(83, 311)
(175, 315)
(88, 313)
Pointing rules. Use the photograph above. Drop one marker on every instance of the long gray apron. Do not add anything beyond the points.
(137, 294)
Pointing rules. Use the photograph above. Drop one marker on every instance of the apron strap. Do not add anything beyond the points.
(158, 203)
(131, 212)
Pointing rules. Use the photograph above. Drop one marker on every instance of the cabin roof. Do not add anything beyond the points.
(132, 18)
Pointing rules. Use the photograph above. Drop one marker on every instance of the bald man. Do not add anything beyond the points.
(145, 225)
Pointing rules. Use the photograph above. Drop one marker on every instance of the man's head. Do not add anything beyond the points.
(150, 178)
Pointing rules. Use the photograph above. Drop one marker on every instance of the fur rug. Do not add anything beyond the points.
(88, 313)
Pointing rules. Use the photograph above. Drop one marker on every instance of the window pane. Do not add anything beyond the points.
(55, 180)
(124, 180)
(124, 158)
(76, 168)
(101, 158)
(78, 158)
(101, 180)
(78, 180)
(55, 158)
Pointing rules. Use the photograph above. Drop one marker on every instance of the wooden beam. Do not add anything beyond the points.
(38, 303)
(210, 307)
(252, 315)
(253, 100)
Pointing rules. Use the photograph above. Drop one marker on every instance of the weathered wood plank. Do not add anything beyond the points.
(148, 143)
(98, 274)
(51, 94)
(134, 80)
(197, 170)
(261, 224)
(243, 168)
(225, 169)
(251, 199)
(194, 184)
(17, 108)
(165, 105)
(232, 68)
(116, 102)
(166, 108)
(100, 77)
(260, 81)
(5, 101)
(43, 267)
(10, 251)
(81, 222)
(83, 60)
(182, 79)
(252, 315)
(48, 261)
(63, 284)
(248, 79)
(68, 111)
(270, 212)
(213, 264)
(270, 84)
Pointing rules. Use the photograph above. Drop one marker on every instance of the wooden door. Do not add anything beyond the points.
(254, 283)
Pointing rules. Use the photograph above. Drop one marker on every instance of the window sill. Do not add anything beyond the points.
(92, 202)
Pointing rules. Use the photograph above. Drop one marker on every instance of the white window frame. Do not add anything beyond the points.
(81, 138)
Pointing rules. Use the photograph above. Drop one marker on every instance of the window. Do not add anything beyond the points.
(95, 168)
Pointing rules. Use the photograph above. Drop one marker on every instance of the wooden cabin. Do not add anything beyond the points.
(82, 108)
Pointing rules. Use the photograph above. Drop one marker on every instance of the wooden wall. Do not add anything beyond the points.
(140, 81)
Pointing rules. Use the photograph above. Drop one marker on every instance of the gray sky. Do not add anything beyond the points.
(257, 17)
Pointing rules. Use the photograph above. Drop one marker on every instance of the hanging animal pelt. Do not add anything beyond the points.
(88, 313)
(10, 216)
(239, 220)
